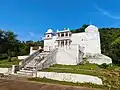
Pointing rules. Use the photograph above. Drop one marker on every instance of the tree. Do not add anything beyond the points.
(110, 43)
(82, 29)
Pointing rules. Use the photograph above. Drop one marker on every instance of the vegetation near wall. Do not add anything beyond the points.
(110, 43)
(10, 46)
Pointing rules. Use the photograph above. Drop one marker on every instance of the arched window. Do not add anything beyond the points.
(62, 34)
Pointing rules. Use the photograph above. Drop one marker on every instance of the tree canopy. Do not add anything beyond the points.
(10, 46)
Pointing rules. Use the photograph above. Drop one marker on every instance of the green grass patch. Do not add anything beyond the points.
(82, 66)
(76, 71)
(88, 69)
(5, 64)
(90, 85)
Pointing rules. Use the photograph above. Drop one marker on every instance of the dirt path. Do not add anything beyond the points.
(20, 83)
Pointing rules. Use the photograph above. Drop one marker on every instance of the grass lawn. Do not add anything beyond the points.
(82, 66)
(5, 64)
(78, 69)
(110, 75)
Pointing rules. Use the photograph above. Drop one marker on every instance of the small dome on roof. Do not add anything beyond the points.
(67, 29)
(91, 28)
(49, 31)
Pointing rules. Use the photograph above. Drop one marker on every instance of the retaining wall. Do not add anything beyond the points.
(69, 77)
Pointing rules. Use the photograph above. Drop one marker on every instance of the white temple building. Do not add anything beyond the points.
(73, 47)
(67, 48)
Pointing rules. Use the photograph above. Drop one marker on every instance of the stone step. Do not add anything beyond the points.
(25, 73)
(32, 63)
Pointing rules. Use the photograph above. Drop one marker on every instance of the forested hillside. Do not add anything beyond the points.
(110, 43)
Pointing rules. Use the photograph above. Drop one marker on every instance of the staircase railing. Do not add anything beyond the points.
(28, 59)
(47, 61)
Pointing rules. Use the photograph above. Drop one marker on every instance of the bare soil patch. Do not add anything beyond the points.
(25, 85)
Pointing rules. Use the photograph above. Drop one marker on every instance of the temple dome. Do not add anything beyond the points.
(91, 28)
(49, 31)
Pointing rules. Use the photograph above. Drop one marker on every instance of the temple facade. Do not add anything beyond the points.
(73, 47)
(88, 40)
(66, 48)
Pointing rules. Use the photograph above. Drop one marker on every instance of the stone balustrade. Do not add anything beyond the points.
(28, 59)
(49, 60)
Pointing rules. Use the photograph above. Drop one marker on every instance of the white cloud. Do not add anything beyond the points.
(31, 34)
(35, 35)
(106, 13)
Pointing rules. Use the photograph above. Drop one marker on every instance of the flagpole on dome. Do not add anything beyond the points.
(90, 22)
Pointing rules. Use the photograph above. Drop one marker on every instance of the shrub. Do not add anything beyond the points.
(3, 56)
(104, 65)
(9, 59)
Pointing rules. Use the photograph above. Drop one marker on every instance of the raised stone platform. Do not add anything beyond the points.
(99, 59)
(69, 77)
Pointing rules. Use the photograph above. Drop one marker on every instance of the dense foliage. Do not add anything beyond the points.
(110, 43)
(11, 47)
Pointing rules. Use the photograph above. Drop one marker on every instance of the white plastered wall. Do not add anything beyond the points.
(68, 56)
(70, 77)
(90, 41)
(4, 70)
(78, 38)
(32, 51)
(49, 44)
(93, 43)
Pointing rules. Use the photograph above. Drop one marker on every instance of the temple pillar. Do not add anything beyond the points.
(68, 42)
(64, 42)
(68, 34)
(60, 43)
(64, 34)
(60, 34)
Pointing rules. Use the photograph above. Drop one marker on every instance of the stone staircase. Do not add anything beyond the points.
(37, 62)
(28, 73)
(32, 64)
